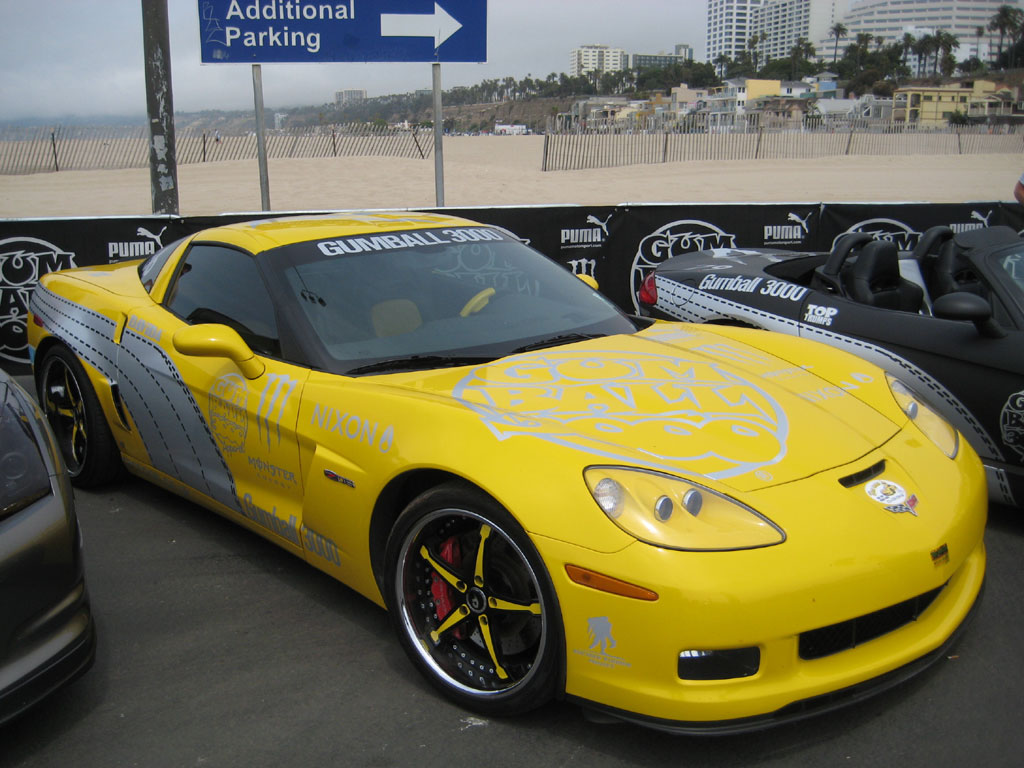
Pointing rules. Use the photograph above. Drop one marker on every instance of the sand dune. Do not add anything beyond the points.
(505, 170)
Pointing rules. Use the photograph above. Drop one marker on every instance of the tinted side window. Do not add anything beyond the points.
(221, 285)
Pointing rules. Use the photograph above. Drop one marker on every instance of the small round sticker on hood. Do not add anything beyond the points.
(885, 492)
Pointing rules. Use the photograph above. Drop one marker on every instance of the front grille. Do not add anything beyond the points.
(848, 634)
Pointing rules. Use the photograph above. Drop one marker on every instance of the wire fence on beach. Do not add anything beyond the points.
(610, 146)
(79, 148)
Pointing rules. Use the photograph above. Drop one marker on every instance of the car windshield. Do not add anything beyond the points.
(1013, 265)
(432, 298)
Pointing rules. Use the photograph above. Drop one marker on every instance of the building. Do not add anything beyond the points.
(728, 27)
(891, 20)
(350, 96)
(649, 60)
(780, 24)
(685, 50)
(597, 58)
(933, 106)
(727, 104)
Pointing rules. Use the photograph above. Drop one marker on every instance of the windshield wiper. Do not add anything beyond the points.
(419, 363)
(557, 341)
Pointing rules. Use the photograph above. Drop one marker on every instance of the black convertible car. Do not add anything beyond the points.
(947, 318)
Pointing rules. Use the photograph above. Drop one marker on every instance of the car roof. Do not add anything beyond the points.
(265, 234)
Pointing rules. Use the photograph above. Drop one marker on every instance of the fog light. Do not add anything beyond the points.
(719, 665)
(663, 509)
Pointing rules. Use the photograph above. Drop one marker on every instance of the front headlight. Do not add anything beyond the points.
(927, 419)
(671, 512)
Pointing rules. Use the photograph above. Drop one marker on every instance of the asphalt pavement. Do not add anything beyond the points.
(218, 649)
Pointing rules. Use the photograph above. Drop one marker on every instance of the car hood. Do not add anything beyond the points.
(680, 399)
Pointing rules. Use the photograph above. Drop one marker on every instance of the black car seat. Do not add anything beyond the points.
(874, 279)
(953, 273)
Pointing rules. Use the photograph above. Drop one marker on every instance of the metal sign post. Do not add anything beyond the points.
(261, 136)
(438, 134)
(254, 32)
(163, 164)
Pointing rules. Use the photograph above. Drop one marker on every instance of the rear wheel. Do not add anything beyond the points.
(472, 602)
(69, 402)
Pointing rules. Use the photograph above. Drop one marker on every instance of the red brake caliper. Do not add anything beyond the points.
(442, 591)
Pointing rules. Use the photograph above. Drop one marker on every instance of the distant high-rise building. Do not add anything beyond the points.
(780, 24)
(350, 96)
(891, 20)
(729, 27)
(597, 58)
(685, 50)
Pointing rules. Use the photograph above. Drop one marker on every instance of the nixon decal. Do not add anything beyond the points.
(352, 427)
(819, 315)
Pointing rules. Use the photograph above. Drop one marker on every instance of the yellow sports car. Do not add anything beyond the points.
(698, 528)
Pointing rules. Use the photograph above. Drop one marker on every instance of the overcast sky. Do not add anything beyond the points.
(84, 57)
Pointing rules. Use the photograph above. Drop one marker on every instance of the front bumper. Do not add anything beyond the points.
(847, 559)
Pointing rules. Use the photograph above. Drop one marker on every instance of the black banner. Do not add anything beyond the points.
(617, 245)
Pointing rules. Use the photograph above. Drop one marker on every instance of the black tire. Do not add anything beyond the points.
(83, 435)
(472, 602)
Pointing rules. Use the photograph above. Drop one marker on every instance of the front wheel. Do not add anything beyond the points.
(472, 603)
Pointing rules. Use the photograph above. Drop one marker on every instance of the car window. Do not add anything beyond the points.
(216, 284)
(472, 291)
(151, 267)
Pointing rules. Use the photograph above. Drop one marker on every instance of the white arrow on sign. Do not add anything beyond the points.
(439, 25)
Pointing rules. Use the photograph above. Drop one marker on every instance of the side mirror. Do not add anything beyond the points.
(965, 306)
(216, 340)
(589, 280)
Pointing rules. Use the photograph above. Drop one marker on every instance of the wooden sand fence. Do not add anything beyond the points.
(79, 148)
(610, 146)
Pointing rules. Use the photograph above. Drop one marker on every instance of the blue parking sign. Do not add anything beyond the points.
(278, 31)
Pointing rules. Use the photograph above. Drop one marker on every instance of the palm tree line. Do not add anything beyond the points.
(866, 64)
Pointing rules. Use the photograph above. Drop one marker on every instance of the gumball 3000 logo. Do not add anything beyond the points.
(905, 238)
(22, 261)
(675, 239)
(656, 410)
(1011, 423)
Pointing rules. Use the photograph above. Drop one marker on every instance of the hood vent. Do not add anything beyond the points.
(863, 476)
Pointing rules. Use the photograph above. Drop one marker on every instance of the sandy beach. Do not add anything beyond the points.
(505, 170)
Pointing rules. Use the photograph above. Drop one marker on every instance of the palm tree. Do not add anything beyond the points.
(907, 45)
(946, 44)
(722, 64)
(752, 43)
(802, 51)
(1006, 21)
(837, 31)
(863, 41)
